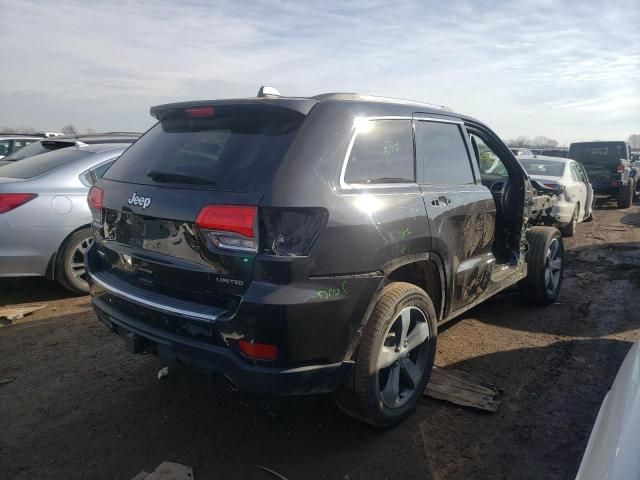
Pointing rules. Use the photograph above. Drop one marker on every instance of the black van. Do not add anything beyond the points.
(307, 245)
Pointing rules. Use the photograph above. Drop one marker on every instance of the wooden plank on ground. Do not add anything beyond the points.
(461, 388)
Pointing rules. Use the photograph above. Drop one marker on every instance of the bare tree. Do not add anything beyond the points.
(538, 141)
(634, 140)
(69, 130)
(519, 142)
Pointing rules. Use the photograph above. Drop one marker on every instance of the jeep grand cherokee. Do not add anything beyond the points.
(306, 245)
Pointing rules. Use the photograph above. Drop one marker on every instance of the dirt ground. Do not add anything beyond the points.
(81, 407)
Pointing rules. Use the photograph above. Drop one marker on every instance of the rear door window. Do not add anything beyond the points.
(382, 152)
(440, 148)
(18, 144)
(91, 176)
(235, 148)
(5, 147)
(575, 175)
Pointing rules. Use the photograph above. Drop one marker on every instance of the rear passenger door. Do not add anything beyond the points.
(580, 189)
(588, 204)
(460, 210)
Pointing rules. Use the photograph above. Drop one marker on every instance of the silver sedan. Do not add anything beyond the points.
(45, 222)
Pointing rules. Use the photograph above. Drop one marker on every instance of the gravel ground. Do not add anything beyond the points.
(81, 407)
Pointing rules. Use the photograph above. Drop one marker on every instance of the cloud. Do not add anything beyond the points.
(524, 67)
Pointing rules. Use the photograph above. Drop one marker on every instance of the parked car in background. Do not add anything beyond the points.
(555, 152)
(574, 198)
(44, 217)
(12, 143)
(612, 451)
(609, 165)
(308, 245)
(44, 145)
(521, 152)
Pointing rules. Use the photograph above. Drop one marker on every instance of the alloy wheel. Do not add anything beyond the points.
(78, 269)
(553, 267)
(402, 357)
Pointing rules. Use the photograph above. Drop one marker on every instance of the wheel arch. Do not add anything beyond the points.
(54, 262)
(424, 270)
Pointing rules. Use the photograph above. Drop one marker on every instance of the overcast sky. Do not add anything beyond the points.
(566, 70)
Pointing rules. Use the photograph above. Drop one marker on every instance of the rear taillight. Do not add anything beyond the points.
(291, 231)
(620, 168)
(94, 199)
(259, 351)
(556, 187)
(230, 227)
(9, 201)
(200, 112)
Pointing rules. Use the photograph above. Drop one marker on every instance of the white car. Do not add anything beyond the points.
(567, 178)
(521, 152)
(612, 451)
(13, 143)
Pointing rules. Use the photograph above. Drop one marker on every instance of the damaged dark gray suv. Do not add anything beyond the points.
(307, 245)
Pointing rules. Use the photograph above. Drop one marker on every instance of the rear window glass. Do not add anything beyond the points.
(382, 153)
(239, 148)
(39, 164)
(441, 149)
(36, 148)
(598, 153)
(547, 168)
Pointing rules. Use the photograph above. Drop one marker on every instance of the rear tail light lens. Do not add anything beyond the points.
(94, 199)
(258, 351)
(620, 168)
(9, 201)
(291, 231)
(614, 183)
(556, 187)
(229, 227)
(201, 112)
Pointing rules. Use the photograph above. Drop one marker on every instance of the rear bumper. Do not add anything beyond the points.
(605, 189)
(313, 329)
(139, 338)
(562, 212)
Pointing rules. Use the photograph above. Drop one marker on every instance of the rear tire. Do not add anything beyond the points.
(569, 230)
(70, 271)
(625, 195)
(394, 359)
(545, 266)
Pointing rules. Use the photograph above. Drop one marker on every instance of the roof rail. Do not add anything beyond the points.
(374, 98)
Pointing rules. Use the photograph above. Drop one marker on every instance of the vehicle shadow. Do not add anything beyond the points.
(31, 290)
(102, 413)
(631, 219)
(605, 204)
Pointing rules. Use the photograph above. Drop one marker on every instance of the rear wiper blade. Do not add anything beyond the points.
(169, 176)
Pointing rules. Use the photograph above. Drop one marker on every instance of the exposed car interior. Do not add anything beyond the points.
(497, 175)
